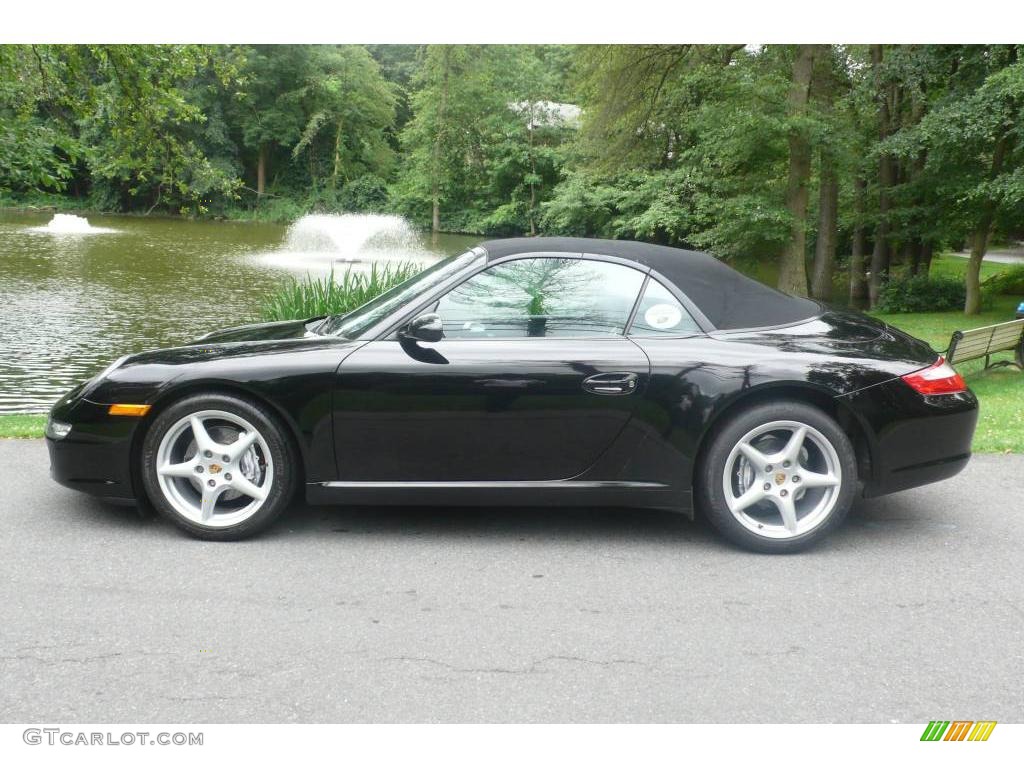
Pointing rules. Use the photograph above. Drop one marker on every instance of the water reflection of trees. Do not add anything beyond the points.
(540, 297)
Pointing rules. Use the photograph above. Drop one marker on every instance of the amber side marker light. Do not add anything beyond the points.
(128, 409)
(940, 378)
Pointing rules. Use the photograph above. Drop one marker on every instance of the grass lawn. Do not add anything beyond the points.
(22, 425)
(948, 265)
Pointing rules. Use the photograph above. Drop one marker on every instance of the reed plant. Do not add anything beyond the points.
(313, 296)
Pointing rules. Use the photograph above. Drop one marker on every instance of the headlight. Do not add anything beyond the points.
(57, 430)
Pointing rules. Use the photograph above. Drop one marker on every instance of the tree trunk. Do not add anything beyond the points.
(925, 265)
(533, 187)
(261, 172)
(435, 219)
(979, 244)
(828, 229)
(793, 266)
(881, 254)
(879, 267)
(979, 238)
(913, 251)
(336, 171)
(858, 281)
(439, 136)
(915, 167)
(533, 207)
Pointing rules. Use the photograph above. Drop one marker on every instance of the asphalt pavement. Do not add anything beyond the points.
(1004, 256)
(914, 611)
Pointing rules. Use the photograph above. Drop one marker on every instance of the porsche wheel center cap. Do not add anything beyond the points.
(780, 477)
(215, 469)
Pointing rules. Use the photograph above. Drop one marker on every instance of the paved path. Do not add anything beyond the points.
(913, 611)
(1009, 256)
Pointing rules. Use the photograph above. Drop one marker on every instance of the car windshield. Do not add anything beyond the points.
(357, 322)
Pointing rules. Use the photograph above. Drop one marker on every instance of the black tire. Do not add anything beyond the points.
(711, 493)
(282, 476)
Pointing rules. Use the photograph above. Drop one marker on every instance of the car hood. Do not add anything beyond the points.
(283, 329)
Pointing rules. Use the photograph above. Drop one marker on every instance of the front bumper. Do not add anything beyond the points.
(96, 455)
(913, 440)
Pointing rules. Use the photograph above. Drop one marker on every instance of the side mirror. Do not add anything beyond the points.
(426, 327)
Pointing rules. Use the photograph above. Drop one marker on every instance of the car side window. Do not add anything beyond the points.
(542, 297)
(661, 314)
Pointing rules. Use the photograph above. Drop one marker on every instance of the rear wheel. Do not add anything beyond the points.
(217, 466)
(778, 477)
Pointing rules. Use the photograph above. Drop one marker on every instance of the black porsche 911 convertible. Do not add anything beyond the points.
(542, 371)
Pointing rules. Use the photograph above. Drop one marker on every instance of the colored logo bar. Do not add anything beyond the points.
(958, 730)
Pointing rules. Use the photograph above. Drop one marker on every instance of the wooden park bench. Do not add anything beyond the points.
(986, 341)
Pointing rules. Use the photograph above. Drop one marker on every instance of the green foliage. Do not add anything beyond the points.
(583, 205)
(686, 144)
(36, 154)
(349, 106)
(922, 294)
(312, 297)
(366, 194)
(277, 210)
(1009, 282)
(484, 142)
(969, 139)
(143, 126)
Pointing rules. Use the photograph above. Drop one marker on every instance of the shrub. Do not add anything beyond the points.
(314, 296)
(272, 208)
(1010, 282)
(366, 194)
(504, 221)
(922, 294)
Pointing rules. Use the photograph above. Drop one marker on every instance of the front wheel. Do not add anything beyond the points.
(217, 466)
(778, 477)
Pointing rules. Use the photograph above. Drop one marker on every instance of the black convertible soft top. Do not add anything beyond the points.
(727, 298)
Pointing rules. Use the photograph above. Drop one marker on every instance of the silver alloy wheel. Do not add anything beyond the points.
(210, 479)
(782, 479)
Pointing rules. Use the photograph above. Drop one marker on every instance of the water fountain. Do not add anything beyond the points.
(322, 242)
(69, 224)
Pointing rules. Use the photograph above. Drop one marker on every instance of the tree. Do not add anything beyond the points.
(142, 128)
(688, 144)
(793, 264)
(344, 98)
(483, 146)
(974, 158)
(37, 149)
(451, 90)
(886, 95)
(523, 140)
(858, 292)
(832, 99)
(267, 121)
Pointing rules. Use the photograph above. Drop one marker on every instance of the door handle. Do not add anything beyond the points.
(611, 383)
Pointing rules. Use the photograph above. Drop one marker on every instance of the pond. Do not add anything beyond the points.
(75, 295)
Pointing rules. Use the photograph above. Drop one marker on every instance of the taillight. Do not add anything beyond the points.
(940, 378)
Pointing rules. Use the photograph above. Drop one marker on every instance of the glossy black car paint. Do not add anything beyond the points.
(388, 420)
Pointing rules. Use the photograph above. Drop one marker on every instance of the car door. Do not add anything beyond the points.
(533, 379)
